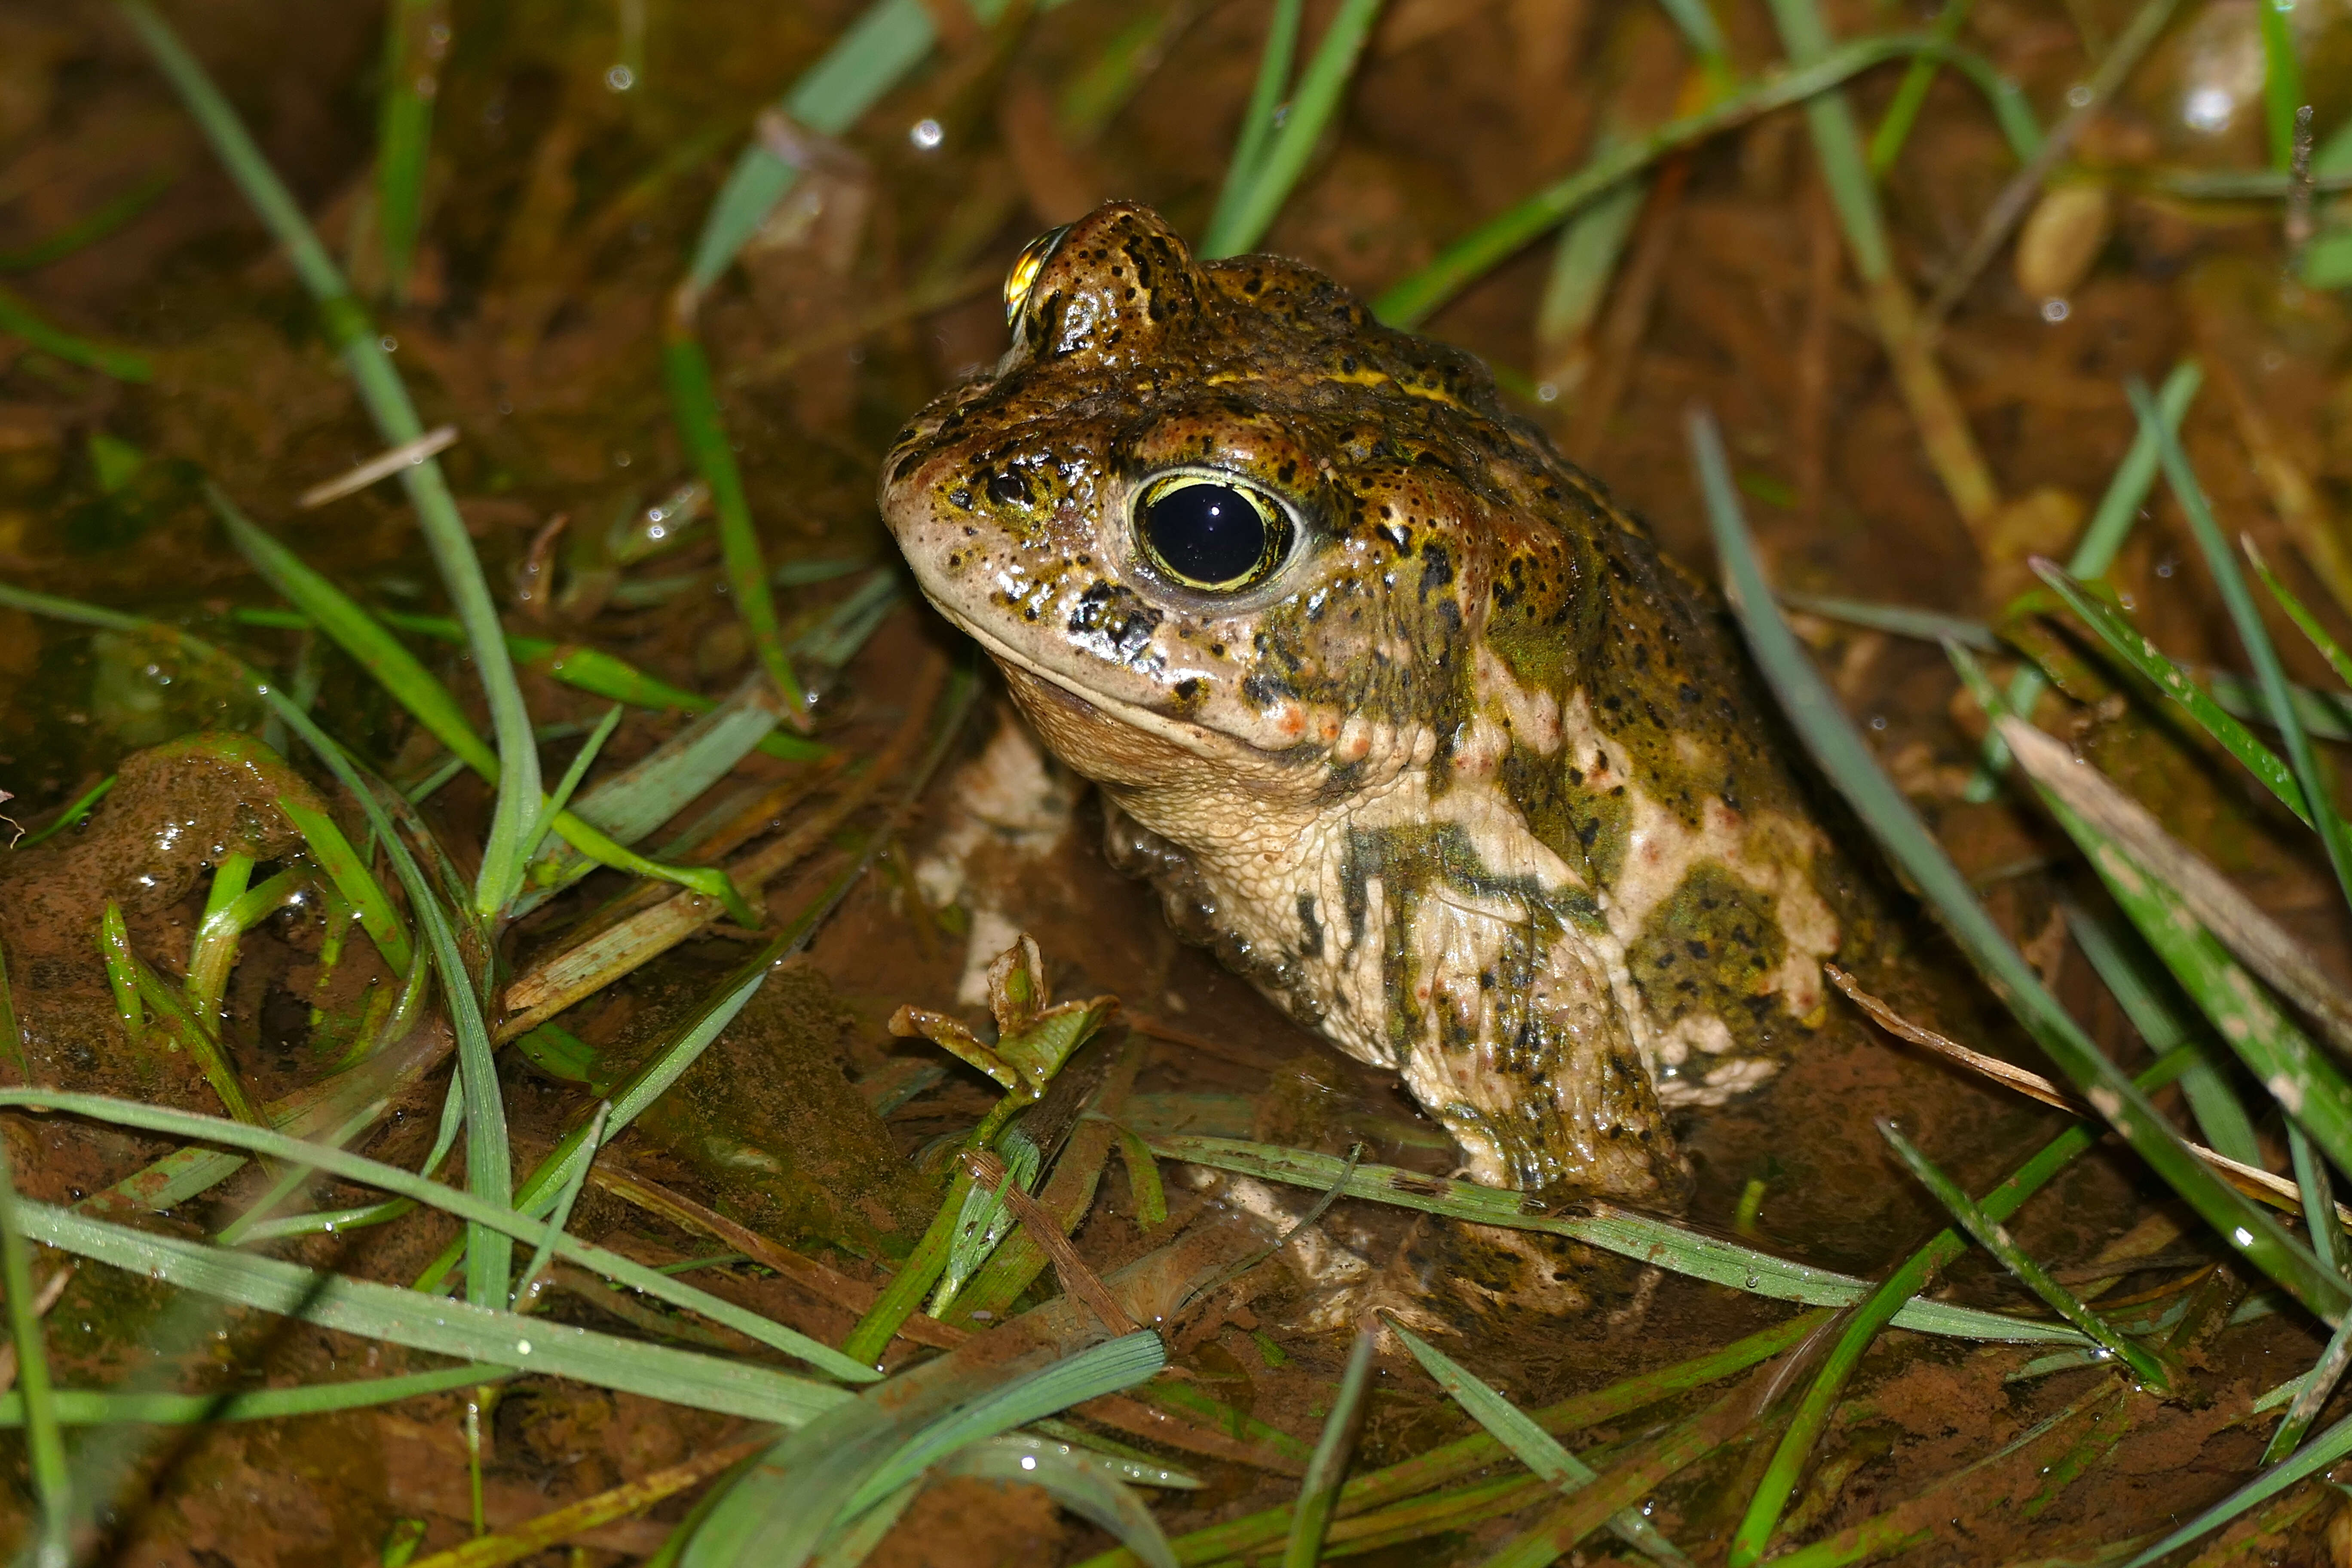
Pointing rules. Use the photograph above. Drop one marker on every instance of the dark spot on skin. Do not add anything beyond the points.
(1113, 621)
(1311, 941)
(959, 499)
(1187, 688)
(1436, 569)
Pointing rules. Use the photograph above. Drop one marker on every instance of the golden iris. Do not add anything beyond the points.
(1023, 276)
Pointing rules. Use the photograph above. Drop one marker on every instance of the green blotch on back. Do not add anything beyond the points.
(1711, 948)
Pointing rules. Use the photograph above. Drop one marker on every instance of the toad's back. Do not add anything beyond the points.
(1398, 712)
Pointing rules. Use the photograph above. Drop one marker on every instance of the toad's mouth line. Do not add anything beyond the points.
(1214, 745)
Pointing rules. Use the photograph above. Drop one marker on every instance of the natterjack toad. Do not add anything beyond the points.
(1401, 716)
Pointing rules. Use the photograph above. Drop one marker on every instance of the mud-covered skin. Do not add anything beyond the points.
(1469, 784)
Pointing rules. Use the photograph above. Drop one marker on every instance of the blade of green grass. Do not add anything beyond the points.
(508, 1222)
(2316, 1385)
(1105, 1368)
(1533, 1446)
(12, 1033)
(593, 670)
(88, 229)
(439, 1324)
(526, 1290)
(1830, 737)
(121, 973)
(196, 1031)
(651, 1080)
(19, 320)
(1414, 299)
(2331, 1446)
(2144, 990)
(634, 802)
(2146, 659)
(404, 135)
(1076, 1479)
(1644, 1237)
(387, 401)
(1280, 154)
(341, 863)
(1324, 1472)
(854, 1457)
(1911, 94)
(52, 1544)
(434, 706)
(2196, 921)
(2300, 614)
(1898, 620)
(1273, 63)
(75, 811)
(694, 405)
(2282, 91)
(1988, 1234)
(2102, 541)
(1570, 1520)
(79, 1407)
(582, 760)
(1883, 1306)
(2247, 618)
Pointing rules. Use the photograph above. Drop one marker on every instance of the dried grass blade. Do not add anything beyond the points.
(2248, 1178)
(553, 1528)
(382, 465)
(2008, 1074)
(2024, 186)
(1830, 735)
(1625, 1484)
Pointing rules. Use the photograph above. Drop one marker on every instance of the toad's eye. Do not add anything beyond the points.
(1026, 268)
(1212, 533)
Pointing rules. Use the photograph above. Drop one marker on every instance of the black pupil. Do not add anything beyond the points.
(1207, 533)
